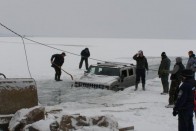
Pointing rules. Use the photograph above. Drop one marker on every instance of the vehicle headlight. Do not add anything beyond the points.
(76, 83)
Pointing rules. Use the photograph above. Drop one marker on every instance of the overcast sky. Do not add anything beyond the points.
(101, 18)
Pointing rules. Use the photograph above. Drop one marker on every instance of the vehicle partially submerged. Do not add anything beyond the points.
(15, 94)
(108, 75)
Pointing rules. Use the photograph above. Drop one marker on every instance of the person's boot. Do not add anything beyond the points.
(56, 79)
(143, 87)
(86, 67)
(136, 86)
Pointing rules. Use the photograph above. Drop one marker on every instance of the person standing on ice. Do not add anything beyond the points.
(163, 72)
(191, 63)
(191, 60)
(84, 57)
(185, 102)
(175, 81)
(141, 67)
(57, 61)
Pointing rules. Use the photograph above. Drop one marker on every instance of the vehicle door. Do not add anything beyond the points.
(124, 78)
(131, 76)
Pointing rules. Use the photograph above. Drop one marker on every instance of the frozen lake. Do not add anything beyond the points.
(129, 107)
(118, 50)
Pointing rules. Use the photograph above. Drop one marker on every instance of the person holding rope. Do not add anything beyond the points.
(57, 61)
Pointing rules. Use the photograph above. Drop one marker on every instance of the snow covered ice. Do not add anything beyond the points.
(145, 110)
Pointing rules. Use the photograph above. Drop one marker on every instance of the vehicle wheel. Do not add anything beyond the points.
(115, 88)
(121, 89)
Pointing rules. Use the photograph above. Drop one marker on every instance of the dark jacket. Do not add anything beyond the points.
(85, 53)
(57, 59)
(141, 62)
(176, 75)
(164, 66)
(185, 100)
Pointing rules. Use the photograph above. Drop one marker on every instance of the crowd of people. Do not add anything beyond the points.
(185, 101)
(182, 87)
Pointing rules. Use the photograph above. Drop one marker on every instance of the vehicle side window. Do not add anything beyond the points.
(130, 72)
(100, 71)
(124, 73)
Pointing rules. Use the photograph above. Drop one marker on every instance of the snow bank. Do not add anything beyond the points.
(42, 125)
(24, 117)
(34, 119)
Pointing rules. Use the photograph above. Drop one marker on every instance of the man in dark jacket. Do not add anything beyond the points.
(163, 72)
(57, 61)
(175, 81)
(185, 102)
(141, 67)
(84, 57)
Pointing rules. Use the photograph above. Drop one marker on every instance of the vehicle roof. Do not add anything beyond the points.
(114, 64)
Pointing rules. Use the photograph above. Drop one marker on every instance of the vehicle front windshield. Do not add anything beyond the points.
(98, 70)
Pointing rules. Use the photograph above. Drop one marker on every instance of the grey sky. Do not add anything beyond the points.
(101, 18)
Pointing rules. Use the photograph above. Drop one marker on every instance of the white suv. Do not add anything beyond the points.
(109, 75)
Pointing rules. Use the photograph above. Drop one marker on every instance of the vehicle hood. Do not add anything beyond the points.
(98, 79)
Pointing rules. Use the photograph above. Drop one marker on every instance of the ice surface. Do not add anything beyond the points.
(143, 109)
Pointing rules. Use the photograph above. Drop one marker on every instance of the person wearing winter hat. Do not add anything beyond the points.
(163, 54)
(185, 102)
(175, 81)
(57, 61)
(141, 67)
(163, 72)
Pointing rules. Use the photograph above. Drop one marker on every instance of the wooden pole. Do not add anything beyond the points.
(127, 128)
